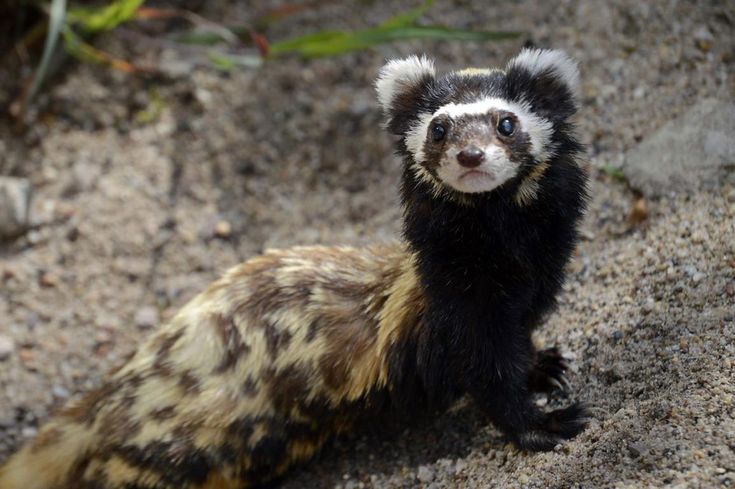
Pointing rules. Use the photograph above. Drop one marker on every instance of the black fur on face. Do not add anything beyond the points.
(537, 91)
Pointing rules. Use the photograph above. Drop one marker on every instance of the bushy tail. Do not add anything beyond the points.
(51, 461)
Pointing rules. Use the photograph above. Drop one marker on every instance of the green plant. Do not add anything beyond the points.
(63, 23)
(614, 172)
(398, 28)
(57, 13)
(76, 25)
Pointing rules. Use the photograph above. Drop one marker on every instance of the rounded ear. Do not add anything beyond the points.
(401, 86)
(401, 77)
(547, 79)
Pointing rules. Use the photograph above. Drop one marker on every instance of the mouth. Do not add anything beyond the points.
(476, 174)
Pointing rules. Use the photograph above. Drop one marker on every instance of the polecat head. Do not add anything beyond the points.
(473, 130)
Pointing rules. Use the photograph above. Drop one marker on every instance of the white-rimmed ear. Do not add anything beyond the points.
(548, 62)
(401, 77)
(546, 79)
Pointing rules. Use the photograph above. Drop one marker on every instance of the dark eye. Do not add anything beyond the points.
(438, 132)
(506, 126)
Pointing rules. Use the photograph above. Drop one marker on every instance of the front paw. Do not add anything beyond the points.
(548, 373)
(554, 428)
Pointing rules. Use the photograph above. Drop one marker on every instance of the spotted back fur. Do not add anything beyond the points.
(251, 376)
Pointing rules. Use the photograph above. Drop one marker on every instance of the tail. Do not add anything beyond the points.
(54, 460)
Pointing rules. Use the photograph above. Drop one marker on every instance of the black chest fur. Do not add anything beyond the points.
(490, 270)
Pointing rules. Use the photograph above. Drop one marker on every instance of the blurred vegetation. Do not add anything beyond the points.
(70, 29)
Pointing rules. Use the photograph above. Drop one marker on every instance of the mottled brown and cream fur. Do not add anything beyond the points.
(251, 376)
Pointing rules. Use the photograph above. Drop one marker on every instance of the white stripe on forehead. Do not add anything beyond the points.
(539, 130)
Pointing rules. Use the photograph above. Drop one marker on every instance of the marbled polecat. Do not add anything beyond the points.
(289, 348)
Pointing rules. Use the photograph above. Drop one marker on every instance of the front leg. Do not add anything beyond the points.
(502, 389)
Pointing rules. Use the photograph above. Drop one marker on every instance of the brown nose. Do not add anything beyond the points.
(470, 157)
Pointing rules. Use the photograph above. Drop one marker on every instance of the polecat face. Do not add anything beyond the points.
(476, 146)
(474, 130)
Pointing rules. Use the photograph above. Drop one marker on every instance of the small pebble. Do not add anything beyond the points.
(639, 211)
(26, 355)
(223, 229)
(48, 279)
(146, 317)
(637, 449)
(704, 39)
(7, 346)
(15, 200)
(690, 270)
(425, 474)
(29, 432)
(59, 391)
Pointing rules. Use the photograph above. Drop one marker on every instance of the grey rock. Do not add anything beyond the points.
(15, 201)
(694, 150)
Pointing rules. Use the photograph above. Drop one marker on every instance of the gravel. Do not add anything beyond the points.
(133, 217)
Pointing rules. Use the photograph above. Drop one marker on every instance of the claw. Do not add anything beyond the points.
(557, 426)
(556, 383)
(548, 373)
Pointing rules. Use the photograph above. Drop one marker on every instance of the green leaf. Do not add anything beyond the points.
(212, 37)
(338, 42)
(228, 62)
(221, 62)
(55, 24)
(408, 18)
(153, 112)
(298, 43)
(105, 18)
(614, 172)
(83, 51)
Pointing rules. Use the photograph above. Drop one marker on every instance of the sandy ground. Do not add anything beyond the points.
(133, 217)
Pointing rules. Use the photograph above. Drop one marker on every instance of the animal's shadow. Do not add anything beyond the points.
(378, 452)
